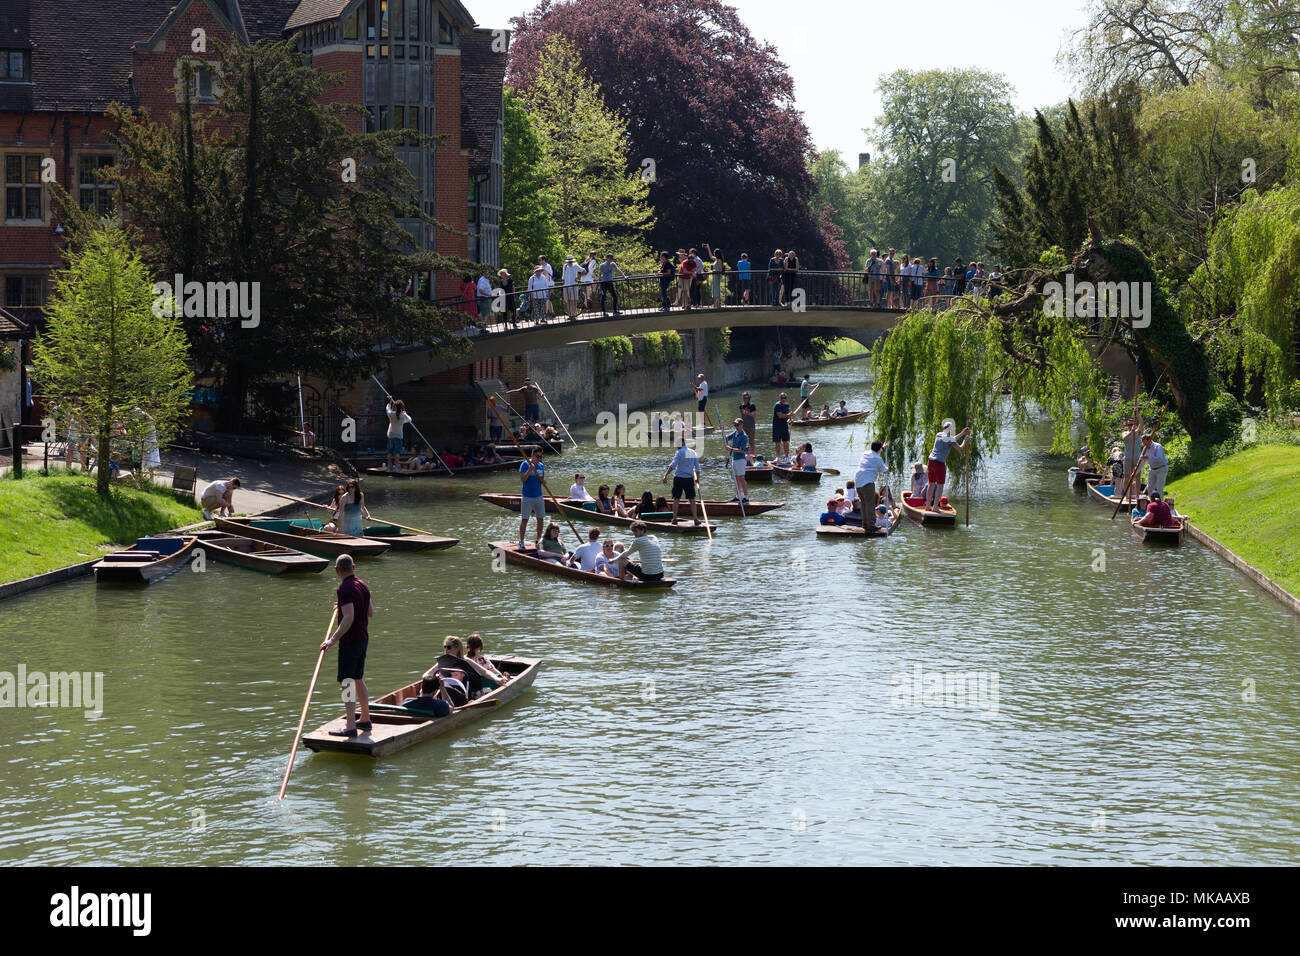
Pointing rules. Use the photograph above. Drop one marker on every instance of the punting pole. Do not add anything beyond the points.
(493, 405)
(1137, 470)
(567, 433)
(316, 504)
(427, 444)
(306, 704)
(302, 414)
(705, 511)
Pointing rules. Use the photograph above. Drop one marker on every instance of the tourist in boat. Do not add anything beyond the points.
(474, 652)
(531, 501)
(453, 665)
(354, 510)
(1157, 465)
(219, 496)
(1115, 465)
(336, 506)
(882, 516)
(451, 459)
(738, 444)
(871, 467)
(431, 700)
(549, 547)
(685, 469)
(395, 410)
(646, 505)
(646, 547)
(604, 503)
(832, 515)
(851, 494)
(701, 394)
(352, 635)
(605, 565)
(807, 460)
(1158, 513)
(578, 491)
(936, 467)
(918, 480)
(585, 556)
(781, 429)
(841, 411)
(620, 502)
(749, 415)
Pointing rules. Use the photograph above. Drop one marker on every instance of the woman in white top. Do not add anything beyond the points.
(397, 419)
(807, 460)
(589, 265)
(620, 502)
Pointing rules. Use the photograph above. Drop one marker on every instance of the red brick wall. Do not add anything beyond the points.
(155, 71)
(348, 63)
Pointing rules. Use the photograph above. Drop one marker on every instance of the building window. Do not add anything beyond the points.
(445, 34)
(383, 19)
(23, 291)
(203, 87)
(413, 19)
(352, 26)
(92, 192)
(15, 65)
(23, 200)
(399, 20)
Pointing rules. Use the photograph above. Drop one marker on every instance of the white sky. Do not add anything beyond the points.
(837, 49)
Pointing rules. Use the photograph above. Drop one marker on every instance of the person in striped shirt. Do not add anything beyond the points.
(645, 546)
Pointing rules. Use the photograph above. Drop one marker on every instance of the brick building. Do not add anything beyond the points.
(420, 65)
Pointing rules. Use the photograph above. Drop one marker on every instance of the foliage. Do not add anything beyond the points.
(257, 194)
(708, 105)
(106, 361)
(52, 521)
(663, 348)
(611, 348)
(598, 204)
(940, 135)
(528, 227)
(844, 193)
(717, 343)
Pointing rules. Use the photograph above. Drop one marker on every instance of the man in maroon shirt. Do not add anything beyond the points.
(1158, 514)
(352, 634)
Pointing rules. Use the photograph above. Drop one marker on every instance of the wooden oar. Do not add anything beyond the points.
(315, 504)
(528, 461)
(293, 752)
(1137, 470)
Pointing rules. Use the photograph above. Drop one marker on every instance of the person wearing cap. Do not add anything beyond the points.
(882, 517)
(749, 415)
(572, 272)
(685, 469)
(832, 514)
(701, 392)
(531, 393)
(738, 444)
(1158, 513)
(352, 634)
(936, 467)
(781, 429)
(539, 289)
(1157, 463)
(578, 491)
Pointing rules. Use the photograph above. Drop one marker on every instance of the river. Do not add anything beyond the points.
(1122, 703)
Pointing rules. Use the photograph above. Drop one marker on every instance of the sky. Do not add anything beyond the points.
(837, 49)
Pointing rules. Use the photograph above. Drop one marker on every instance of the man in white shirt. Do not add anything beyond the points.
(578, 491)
(871, 468)
(484, 291)
(585, 556)
(701, 392)
(572, 272)
(1158, 463)
(218, 497)
(546, 267)
(539, 287)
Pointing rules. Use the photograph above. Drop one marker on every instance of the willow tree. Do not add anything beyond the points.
(108, 357)
(958, 365)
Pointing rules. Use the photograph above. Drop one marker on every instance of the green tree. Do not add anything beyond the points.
(844, 191)
(940, 135)
(265, 194)
(527, 227)
(597, 203)
(106, 357)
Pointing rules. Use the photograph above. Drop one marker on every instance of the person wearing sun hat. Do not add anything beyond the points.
(572, 291)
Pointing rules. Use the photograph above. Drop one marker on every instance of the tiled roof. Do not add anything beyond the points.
(316, 11)
(482, 72)
(12, 327)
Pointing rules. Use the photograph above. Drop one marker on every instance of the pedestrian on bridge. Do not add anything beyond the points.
(607, 270)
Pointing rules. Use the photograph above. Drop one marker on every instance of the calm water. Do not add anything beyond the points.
(753, 715)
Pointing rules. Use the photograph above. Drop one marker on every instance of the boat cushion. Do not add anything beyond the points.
(160, 545)
(384, 530)
(657, 516)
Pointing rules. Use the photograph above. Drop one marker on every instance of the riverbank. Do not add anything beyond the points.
(52, 521)
(1247, 502)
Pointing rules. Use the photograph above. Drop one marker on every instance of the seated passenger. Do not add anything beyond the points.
(646, 504)
(460, 677)
(882, 517)
(474, 652)
(430, 700)
(604, 503)
(807, 460)
(832, 513)
(1158, 514)
(585, 555)
(620, 502)
(551, 549)
(605, 564)
(841, 411)
(918, 480)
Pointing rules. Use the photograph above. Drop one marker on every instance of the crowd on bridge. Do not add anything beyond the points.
(688, 280)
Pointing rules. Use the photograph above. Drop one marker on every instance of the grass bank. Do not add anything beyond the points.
(51, 521)
(843, 348)
(1250, 501)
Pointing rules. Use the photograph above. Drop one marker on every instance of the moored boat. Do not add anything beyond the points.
(1165, 536)
(395, 727)
(465, 471)
(246, 552)
(798, 474)
(146, 561)
(1079, 477)
(849, 419)
(579, 513)
(720, 509)
(916, 509)
(303, 534)
(1106, 495)
(760, 471)
(527, 559)
(399, 539)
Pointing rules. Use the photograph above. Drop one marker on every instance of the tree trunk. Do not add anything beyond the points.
(101, 461)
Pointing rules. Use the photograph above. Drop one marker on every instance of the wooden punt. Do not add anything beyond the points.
(721, 509)
(849, 419)
(915, 509)
(1105, 495)
(1165, 536)
(399, 539)
(258, 555)
(856, 530)
(798, 474)
(145, 561)
(1079, 477)
(510, 464)
(526, 559)
(301, 533)
(396, 728)
(760, 472)
(549, 446)
(579, 513)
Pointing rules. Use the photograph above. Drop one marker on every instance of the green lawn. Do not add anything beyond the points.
(840, 348)
(51, 522)
(1250, 502)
